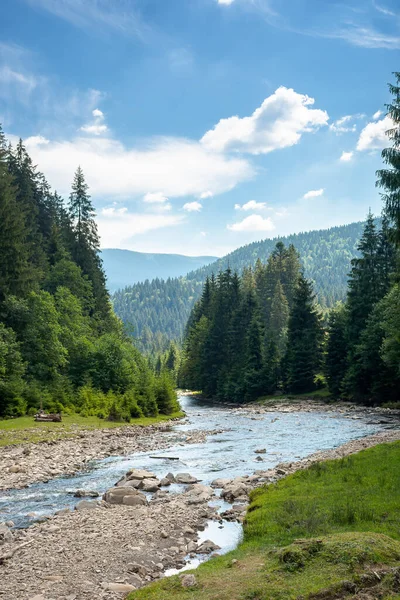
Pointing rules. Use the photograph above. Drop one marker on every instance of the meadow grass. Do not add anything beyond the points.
(329, 527)
(25, 429)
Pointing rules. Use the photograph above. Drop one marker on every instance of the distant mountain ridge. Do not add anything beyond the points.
(127, 267)
(158, 310)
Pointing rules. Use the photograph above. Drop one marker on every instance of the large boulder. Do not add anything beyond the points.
(207, 547)
(220, 483)
(185, 478)
(139, 474)
(124, 495)
(236, 490)
(149, 485)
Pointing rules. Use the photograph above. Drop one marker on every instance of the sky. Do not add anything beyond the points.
(203, 125)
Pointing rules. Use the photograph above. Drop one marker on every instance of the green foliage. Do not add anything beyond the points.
(246, 332)
(61, 346)
(157, 311)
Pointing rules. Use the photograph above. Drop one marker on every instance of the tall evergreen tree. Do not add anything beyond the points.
(389, 179)
(304, 340)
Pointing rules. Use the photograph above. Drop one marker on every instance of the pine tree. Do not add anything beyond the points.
(304, 340)
(389, 179)
(279, 318)
(336, 351)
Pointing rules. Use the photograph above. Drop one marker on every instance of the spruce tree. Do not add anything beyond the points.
(336, 351)
(389, 179)
(303, 359)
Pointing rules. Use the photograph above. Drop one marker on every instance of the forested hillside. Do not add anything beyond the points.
(158, 310)
(61, 345)
(125, 267)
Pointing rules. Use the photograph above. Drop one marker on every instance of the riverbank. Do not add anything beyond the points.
(326, 530)
(105, 550)
(32, 462)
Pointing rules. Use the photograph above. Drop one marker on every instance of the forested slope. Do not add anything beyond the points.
(158, 310)
(61, 345)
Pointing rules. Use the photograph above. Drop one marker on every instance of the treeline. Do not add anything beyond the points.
(263, 332)
(363, 354)
(157, 311)
(254, 334)
(61, 345)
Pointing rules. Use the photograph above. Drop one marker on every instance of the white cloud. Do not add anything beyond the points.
(10, 76)
(206, 194)
(313, 193)
(155, 198)
(179, 167)
(373, 136)
(252, 205)
(278, 123)
(346, 156)
(118, 228)
(225, 2)
(376, 115)
(366, 37)
(343, 125)
(97, 126)
(113, 211)
(192, 206)
(253, 223)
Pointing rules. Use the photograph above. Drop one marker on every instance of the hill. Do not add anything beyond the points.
(126, 267)
(158, 310)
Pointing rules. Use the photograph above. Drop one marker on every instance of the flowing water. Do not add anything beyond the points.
(286, 437)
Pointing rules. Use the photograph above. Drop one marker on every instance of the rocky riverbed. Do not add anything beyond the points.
(29, 463)
(105, 548)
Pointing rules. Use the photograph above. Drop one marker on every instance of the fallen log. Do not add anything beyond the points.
(166, 457)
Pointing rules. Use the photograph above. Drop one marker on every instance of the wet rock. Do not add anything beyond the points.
(140, 474)
(170, 477)
(207, 547)
(188, 581)
(260, 451)
(165, 482)
(149, 485)
(185, 478)
(280, 472)
(86, 494)
(259, 459)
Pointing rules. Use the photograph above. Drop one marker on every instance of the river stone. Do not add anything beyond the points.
(134, 500)
(170, 477)
(260, 451)
(220, 483)
(165, 482)
(118, 587)
(188, 581)
(140, 474)
(207, 547)
(235, 491)
(86, 494)
(185, 478)
(149, 485)
(5, 535)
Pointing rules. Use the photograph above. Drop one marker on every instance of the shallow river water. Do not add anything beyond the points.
(286, 437)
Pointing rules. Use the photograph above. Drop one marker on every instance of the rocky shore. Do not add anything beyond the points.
(25, 464)
(106, 548)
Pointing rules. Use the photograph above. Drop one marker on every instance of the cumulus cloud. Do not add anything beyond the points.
(206, 194)
(313, 193)
(177, 166)
(278, 123)
(253, 223)
(192, 206)
(373, 136)
(343, 125)
(252, 205)
(346, 156)
(117, 228)
(376, 115)
(112, 211)
(97, 126)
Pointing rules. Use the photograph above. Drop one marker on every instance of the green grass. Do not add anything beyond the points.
(322, 394)
(336, 522)
(25, 429)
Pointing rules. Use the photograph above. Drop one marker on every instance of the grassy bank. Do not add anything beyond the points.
(25, 429)
(321, 533)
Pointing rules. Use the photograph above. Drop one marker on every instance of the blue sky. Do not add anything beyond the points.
(203, 125)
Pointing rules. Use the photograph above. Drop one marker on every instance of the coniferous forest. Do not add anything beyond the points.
(263, 332)
(61, 345)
